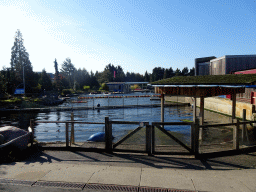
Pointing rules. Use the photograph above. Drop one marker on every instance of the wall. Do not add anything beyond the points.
(240, 62)
(217, 104)
(218, 66)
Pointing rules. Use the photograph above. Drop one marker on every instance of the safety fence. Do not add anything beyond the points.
(158, 138)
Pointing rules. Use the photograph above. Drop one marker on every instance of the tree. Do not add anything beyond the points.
(45, 81)
(146, 77)
(3, 84)
(82, 76)
(93, 82)
(157, 73)
(177, 72)
(56, 76)
(20, 62)
(110, 74)
(169, 73)
(184, 71)
(104, 87)
(192, 72)
(68, 70)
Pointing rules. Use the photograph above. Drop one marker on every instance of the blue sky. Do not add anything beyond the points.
(138, 35)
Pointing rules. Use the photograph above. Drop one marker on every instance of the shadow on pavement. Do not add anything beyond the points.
(242, 161)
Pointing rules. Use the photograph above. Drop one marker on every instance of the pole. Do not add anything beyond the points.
(196, 137)
(194, 110)
(32, 128)
(149, 139)
(93, 103)
(235, 134)
(233, 107)
(67, 135)
(108, 135)
(162, 108)
(72, 140)
(244, 125)
(24, 82)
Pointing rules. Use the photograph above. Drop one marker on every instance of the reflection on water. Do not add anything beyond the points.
(51, 132)
(21, 120)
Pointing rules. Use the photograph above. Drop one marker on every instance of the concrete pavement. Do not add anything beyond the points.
(87, 169)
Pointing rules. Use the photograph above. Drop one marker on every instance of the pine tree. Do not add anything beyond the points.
(20, 59)
(57, 77)
(146, 77)
(45, 81)
(68, 70)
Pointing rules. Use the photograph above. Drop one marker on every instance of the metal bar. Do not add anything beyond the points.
(126, 137)
(174, 138)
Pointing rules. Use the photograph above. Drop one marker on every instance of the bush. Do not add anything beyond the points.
(66, 91)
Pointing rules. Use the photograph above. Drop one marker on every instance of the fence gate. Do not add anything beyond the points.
(129, 139)
(166, 141)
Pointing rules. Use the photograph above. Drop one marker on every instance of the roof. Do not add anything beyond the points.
(130, 83)
(231, 79)
(232, 56)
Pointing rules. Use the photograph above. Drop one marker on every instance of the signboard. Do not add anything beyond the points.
(19, 91)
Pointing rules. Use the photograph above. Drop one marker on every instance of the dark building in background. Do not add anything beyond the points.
(202, 65)
(235, 64)
(231, 63)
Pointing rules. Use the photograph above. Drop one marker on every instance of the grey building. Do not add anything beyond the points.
(231, 63)
(202, 65)
(118, 87)
(124, 87)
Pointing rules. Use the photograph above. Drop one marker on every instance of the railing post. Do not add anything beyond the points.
(153, 138)
(32, 121)
(244, 131)
(108, 135)
(149, 139)
(236, 135)
(72, 136)
(67, 140)
(192, 136)
(196, 136)
(162, 109)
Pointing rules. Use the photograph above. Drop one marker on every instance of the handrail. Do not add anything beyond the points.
(79, 122)
(172, 123)
(127, 122)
